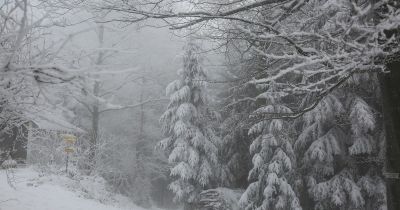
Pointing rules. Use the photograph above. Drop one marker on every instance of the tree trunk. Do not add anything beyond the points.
(95, 129)
(390, 84)
(140, 143)
(141, 110)
(95, 107)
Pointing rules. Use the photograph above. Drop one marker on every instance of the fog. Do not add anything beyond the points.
(199, 105)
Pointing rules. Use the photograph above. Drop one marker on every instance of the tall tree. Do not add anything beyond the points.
(25, 72)
(97, 88)
(191, 143)
(274, 160)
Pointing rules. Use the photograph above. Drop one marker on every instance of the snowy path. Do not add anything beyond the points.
(34, 192)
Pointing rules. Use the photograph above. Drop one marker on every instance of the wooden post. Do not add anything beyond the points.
(66, 164)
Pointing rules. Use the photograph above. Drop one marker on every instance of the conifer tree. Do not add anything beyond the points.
(319, 144)
(190, 141)
(340, 143)
(273, 159)
(367, 147)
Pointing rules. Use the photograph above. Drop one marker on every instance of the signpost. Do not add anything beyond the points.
(70, 141)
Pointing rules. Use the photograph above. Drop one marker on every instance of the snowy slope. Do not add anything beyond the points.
(34, 191)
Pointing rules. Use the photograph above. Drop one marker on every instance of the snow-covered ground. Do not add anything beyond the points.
(37, 191)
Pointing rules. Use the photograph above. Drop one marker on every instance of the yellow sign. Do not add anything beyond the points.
(69, 149)
(70, 139)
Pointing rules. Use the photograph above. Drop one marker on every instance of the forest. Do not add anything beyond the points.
(200, 104)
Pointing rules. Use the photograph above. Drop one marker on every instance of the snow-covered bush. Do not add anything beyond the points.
(45, 148)
(220, 199)
(10, 163)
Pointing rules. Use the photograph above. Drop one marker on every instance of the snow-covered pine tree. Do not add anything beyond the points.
(342, 129)
(191, 142)
(341, 146)
(321, 148)
(367, 149)
(273, 159)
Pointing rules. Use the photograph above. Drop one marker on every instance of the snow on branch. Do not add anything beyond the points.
(112, 107)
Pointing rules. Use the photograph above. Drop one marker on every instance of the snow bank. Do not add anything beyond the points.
(36, 191)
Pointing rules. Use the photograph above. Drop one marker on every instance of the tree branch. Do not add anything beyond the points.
(133, 105)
